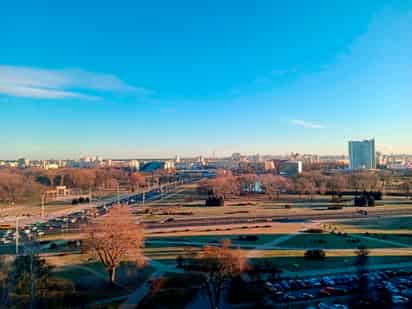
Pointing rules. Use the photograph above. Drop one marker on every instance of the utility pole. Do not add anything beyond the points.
(17, 235)
(42, 206)
(118, 193)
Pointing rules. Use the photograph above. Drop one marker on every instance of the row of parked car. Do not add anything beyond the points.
(57, 224)
(398, 284)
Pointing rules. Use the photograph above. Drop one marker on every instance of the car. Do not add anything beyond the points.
(398, 299)
(338, 306)
(278, 294)
(269, 286)
(323, 306)
(324, 292)
(341, 291)
(285, 284)
(307, 296)
(289, 297)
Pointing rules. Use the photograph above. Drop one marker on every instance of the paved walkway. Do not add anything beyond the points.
(136, 297)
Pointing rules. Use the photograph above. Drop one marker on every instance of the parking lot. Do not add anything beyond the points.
(393, 288)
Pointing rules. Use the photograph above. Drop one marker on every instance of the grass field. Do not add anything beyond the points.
(384, 225)
(332, 241)
(214, 239)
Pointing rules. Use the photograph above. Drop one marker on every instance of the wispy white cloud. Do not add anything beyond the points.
(307, 124)
(60, 84)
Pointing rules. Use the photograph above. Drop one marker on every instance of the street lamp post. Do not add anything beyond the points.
(43, 197)
(17, 235)
(118, 193)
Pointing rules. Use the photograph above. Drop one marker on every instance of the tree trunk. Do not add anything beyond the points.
(112, 275)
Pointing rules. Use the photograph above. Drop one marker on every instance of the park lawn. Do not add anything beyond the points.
(380, 225)
(293, 260)
(91, 281)
(215, 239)
(331, 241)
(170, 252)
(405, 238)
(173, 291)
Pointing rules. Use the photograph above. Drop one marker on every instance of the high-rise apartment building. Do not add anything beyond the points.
(362, 154)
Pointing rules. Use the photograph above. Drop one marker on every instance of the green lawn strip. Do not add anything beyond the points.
(396, 223)
(301, 264)
(332, 241)
(173, 291)
(99, 288)
(262, 239)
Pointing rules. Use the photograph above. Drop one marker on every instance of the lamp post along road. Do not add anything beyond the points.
(17, 235)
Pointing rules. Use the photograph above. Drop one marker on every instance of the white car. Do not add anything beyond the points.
(323, 306)
(397, 299)
(339, 306)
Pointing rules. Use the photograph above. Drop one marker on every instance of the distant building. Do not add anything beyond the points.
(58, 192)
(269, 165)
(236, 156)
(134, 165)
(157, 165)
(362, 154)
(23, 163)
(290, 168)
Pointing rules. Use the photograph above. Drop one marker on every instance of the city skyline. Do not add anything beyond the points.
(136, 80)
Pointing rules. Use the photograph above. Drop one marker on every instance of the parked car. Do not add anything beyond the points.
(398, 299)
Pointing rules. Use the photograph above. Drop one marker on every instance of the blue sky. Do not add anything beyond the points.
(159, 78)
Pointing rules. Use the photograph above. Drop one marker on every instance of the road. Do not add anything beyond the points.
(287, 217)
(131, 199)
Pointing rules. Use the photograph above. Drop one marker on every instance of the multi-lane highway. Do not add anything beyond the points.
(286, 217)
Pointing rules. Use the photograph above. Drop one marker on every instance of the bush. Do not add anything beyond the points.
(315, 254)
(215, 201)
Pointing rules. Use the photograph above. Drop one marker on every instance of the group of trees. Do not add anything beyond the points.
(17, 185)
(26, 282)
(117, 238)
(308, 183)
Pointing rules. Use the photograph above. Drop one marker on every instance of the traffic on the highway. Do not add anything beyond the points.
(9, 234)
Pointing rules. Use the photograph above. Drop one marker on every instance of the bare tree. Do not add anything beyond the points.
(137, 180)
(222, 186)
(15, 186)
(406, 188)
(304, 184)
(219, 264)
(336, 184)
(274, 185)
(115, 238)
